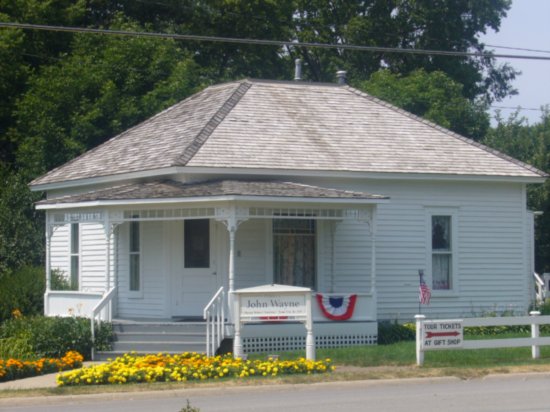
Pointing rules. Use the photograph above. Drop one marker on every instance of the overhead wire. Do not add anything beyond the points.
(278, 43)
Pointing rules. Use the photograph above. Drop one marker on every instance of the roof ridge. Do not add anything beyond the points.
(201, 138)
(464, 139)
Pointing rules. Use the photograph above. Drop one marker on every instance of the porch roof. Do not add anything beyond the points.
(171, 190)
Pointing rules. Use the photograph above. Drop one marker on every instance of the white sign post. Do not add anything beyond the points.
(273, 303)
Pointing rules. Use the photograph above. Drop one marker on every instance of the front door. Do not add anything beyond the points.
(195, 277)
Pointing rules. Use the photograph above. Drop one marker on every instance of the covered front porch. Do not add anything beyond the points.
(162, 250)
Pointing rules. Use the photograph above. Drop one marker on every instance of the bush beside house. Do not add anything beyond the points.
(51, 337)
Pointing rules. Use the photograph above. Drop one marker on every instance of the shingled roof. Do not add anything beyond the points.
(170, 189)
(270, 125)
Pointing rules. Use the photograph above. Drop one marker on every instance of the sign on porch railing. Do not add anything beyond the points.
(273, 303)
(448, 334)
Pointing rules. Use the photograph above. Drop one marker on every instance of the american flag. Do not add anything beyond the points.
(425, 292)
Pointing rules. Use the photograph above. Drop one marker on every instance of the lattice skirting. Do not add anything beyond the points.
(285, 343)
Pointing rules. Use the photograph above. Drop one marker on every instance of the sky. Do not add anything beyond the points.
(527, 26)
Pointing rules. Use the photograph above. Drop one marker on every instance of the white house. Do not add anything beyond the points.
(319, 185)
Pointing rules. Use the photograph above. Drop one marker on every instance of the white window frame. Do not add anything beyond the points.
(139, 292)
(452, 212)
(78, 254)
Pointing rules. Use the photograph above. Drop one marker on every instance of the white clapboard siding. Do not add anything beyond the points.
(152, 303)
(492, 251)
(59, 253)
(92, 257)
(251, 245)
(493, 270)
(352, 257)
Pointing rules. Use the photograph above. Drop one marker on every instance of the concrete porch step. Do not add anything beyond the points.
(193, 337)
(146, 337)
(164, 327)
(159, 346)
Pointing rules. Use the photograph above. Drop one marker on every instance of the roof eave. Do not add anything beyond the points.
(175, 170)
(214, 199)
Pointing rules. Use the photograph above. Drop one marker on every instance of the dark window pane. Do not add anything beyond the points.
(134, 272)
(74, 237)
(197, 243)
(441, 233)
(134, 236)
(74, 272)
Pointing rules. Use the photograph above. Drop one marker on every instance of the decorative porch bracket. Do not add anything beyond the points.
(232, 217)
(109, 227)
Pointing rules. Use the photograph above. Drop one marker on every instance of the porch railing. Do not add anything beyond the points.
(540, 288)
(214, 314)
(106, 304)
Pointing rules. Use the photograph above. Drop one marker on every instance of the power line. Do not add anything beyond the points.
(517, 108)
(265, 42)
(518, 48)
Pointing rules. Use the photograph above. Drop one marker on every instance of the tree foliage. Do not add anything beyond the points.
(106, 85)
(21, 226)
(531, 144)
(64, 93)
(421, 24)
(433, 96)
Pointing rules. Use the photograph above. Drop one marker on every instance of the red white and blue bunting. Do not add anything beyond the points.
(337, 307)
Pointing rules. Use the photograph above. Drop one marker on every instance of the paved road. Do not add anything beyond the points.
(518, 393)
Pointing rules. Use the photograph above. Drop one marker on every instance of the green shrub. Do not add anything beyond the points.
(544, 308)
(392, 332)
(22, 290)
(16, 347)
(52, 337)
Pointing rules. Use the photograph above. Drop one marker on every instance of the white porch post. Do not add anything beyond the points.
(108, 231)
(232, 231)
(373, 249)
(231, 217)
(49, 233)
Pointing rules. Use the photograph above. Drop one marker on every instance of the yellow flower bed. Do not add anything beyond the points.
(185, 367)
(16, 369)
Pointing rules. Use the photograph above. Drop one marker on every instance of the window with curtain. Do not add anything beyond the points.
(442, 253)
(294, 252)
(75, 255)
(135, 280)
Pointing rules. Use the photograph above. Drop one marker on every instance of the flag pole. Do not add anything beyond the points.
(420, 280)
(420, 275)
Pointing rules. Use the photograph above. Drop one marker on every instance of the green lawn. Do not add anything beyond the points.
(403, 354)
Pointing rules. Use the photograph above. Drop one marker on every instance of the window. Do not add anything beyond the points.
(294, 252)
(135, 281)
(75, 255)
(442, 252)
(197, 243)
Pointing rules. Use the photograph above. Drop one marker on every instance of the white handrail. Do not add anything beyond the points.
(540, 288)
(214, 314)
(105, 300)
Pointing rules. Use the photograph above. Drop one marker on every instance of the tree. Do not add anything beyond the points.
(422, 24)
(531, 144)
(105, 85)
(434, 96)
(21, 226)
